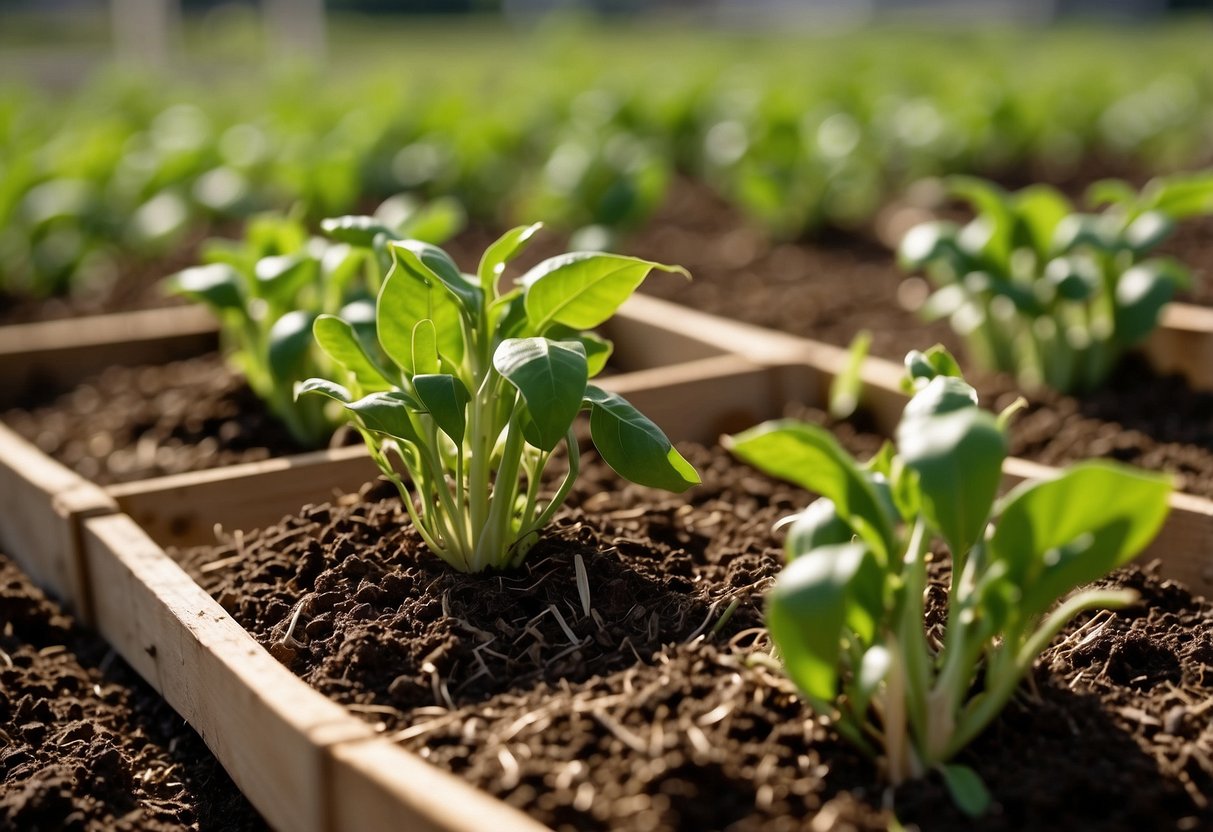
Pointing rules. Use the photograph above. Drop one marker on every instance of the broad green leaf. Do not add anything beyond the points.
(1041, 208)
(501, 252)
(992, 205)
(1110, 192)
(406, 299)
(434, 267)
(339, 341)
(388, 413)
(925, 243)
(1073, 278)
(1141, 293)
(957, 457)
(818, 525)
(1079, 230)
(811, 457)
(1061, 533)
(633, 446)
(323, 387)
(942, 394)
(597, 349)
(922, 367)
(1148, 231)
(584, 288)
(445, 397)
(425, 348)
(217, 285)
(966, 789)
(435, 222)
(289, 340)
(551, 376)
(280, 277)
(1181, 196)
(806, 611)
(356, 230)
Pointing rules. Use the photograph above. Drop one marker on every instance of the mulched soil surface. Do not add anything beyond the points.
(832, 289)
(85, 744)
(131, 423)
(645, 714)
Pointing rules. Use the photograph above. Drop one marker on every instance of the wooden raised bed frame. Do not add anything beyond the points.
(304, 761)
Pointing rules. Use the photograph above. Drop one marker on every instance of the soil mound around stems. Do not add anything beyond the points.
(85, 744)
(132, 423)
(652, 710)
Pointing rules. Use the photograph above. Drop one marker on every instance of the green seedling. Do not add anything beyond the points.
(268, 288)
(848, 611)
(472, 390)
(1054, 296)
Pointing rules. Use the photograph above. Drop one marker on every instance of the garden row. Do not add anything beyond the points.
(643, 605)
(122, 175)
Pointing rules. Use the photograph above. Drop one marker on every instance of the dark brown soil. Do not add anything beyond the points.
(644, 713)
(832, 289)
(85, 744)
(131, 423)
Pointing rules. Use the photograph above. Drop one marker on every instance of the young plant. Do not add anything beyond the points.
(1055, 296)
(268, 288)
(472, 390)
(847, 613)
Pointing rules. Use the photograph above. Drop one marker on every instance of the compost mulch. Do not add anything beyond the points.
(132, 423)
(649, 711)
(85, 744)
(834, 288)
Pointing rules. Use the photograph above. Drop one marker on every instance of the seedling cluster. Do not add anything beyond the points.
(1055, 296)
(847, 613)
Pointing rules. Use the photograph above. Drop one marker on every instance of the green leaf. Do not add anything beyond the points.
(811, 457)
(847, 386)
(339, 341)
(356, 230)
(1073, 278)
(633, 446)
(1061, 533)
(446, 398)
(404, 300)
(280, 277)
(433, 266)
(966, 789)
(1181, 196)
(323, 387)
(1041, 208)
(921, 367)
(942, 394)
(1110, 192)
(926, 243)
(289, 340)
(425, 348)
(217, 285)
(584, 288)
(806, 610)
(993, 206)
(1141, 293)
(818, 525)
(435, 222)
(1148, 231)
(501, 252)
(551, 376)
(958, 459)
(597, 349)
(1078, 230)
(388, 413)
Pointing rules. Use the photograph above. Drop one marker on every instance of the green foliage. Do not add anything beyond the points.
(1050, 294)
(847, 613)
(472, 388)
(269, 289)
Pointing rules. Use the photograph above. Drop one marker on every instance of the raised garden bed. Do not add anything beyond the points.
(86, 744)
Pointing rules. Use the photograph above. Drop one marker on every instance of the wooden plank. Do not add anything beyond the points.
(379, 787)
(1183, 344)
(648, 333)
(55, 355)
(268, 728)
(43, 504)
(183, 509)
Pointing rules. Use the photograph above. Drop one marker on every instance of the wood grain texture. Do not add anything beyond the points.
(43, 504)
(57, 355)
